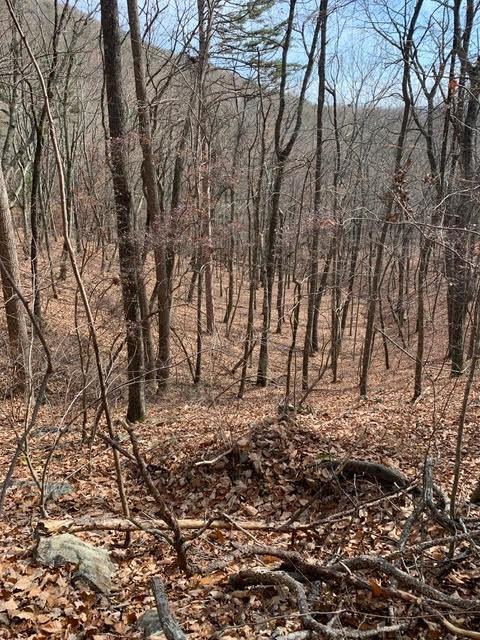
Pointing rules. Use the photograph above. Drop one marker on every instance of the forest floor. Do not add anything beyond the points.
(277, 469)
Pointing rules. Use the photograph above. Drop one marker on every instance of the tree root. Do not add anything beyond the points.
(253, 577)
(386, 476)
(295, 570)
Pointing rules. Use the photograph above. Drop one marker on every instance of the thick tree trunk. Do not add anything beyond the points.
(459, 218)
(458, 275)
(127, 247)
(10, 275)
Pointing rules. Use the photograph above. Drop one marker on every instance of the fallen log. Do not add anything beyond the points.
(53, 527)
(388, 477)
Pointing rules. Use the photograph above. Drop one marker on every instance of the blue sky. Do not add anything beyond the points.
(358, 57)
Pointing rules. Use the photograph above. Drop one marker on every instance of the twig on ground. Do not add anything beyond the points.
(467, 633)
(205, 463)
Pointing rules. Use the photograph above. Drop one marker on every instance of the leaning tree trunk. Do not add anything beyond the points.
(127, 248)
(10, 275)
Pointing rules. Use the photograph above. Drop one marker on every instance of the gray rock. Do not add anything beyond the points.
(150, 624)
(53, 490)
(94, 565)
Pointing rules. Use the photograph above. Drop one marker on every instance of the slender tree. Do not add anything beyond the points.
(391, 199)
(153, 201)
(314, 250)
(283, 150)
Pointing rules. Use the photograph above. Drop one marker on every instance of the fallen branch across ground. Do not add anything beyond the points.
(53, 527)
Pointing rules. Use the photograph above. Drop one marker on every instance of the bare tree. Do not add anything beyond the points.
(282, 154)
(391, 198)
(313, 273)
(127, 243)
(153, 202)
(10, 274)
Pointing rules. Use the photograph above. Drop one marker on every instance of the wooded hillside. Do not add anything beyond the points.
(240, 320)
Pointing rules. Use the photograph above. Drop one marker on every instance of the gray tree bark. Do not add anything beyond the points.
(127, 247)
(152, 196)
(10, 276)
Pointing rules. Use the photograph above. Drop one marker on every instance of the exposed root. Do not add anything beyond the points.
(252, 577)
(295, 570)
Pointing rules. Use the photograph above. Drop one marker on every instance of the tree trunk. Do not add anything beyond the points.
(308, 347)
(397, 178)
(462, 207)
(152, 197)
(34, 217)
(203, 150)
(10, 275)
(127, 247)
(282, 154)
(178, 170)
